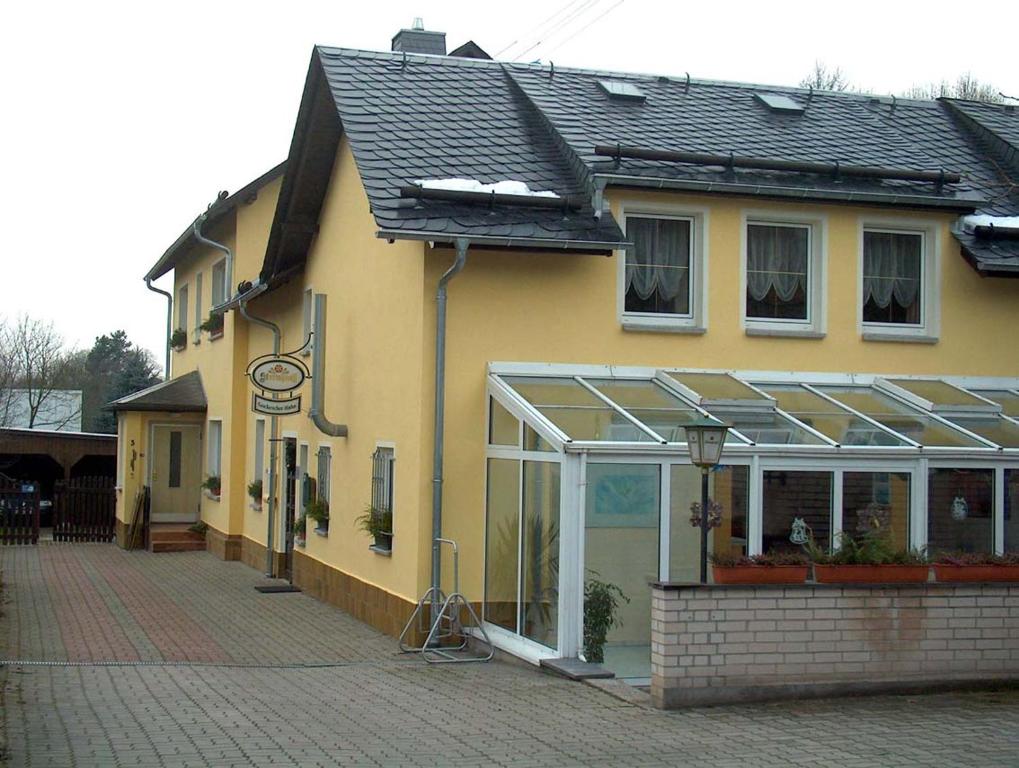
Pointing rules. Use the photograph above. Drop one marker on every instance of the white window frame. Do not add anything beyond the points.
(182, 307)
(390, 447)
(214, 456)
(697, 320)
(198, 310)
(308, 319)
(927, 330)
(223, 290)
(815, 326)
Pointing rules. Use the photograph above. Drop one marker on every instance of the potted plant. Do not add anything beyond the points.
(771, 568)
(377, 523)
(318, 510)
(178, 339)
(255, 492)
(300, 530)
(974, 566)
(213, 325)
(213, 485)
(601, 606)
(870, 558)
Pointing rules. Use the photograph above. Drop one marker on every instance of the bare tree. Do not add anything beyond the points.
(824, 78)
(35, 373)
(965, 87)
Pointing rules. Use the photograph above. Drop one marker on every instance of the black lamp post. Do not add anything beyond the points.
(705, 438)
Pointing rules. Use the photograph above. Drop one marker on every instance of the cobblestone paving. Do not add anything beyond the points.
(189, 631)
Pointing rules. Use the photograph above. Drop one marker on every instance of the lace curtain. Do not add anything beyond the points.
(660, 259)
(891, 268)
(776, 259)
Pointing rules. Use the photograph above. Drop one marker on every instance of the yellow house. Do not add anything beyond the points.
(513, 287)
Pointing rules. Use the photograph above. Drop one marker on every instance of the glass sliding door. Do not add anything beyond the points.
(621, 545)
(502, 543)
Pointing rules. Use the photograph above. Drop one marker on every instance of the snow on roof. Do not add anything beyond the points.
(507, 187)
(970, 223)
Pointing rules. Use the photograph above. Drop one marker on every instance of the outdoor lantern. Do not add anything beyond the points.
(705, 437)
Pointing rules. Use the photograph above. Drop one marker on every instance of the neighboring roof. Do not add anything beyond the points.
(470, 50)
(223, 205)
(412, 117)
(185, 394)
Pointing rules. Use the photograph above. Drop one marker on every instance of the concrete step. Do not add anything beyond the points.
(177, 545)
(175, 534)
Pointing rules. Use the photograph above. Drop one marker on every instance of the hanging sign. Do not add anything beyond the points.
(277, 374)
(271, 407)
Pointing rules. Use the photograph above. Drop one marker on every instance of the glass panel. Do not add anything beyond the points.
(175, 449)
(892, 276)
(1009, 401)
(551, 390)
(766, 427)
(717, 386)
(938, 392)
(667, 423)
(503, 426)
(900, 417)
(729, 486)
(535, 442)
(1001, 431)
(639, 394)
(827, 418)
(777, 263)
(1011, 507)
(621, 549)
(960, 505)
(540, 588)
(502, 542)
(792, 499)
(876, 501)
(658, 265)
(595, 424)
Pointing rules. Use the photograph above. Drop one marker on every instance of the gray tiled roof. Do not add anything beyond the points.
(181, 395)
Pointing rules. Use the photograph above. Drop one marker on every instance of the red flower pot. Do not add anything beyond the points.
(947, 572)
(760, 574)
(870, 574)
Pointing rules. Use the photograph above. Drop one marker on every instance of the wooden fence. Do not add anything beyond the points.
(84, 509)
(19, 512)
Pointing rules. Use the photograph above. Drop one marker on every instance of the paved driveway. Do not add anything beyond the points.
(175, 660)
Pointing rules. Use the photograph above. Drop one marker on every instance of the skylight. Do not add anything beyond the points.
(780, 103)
(616, 89)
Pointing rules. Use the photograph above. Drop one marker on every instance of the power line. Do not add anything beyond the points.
(593, 21)
(562, 25)
(535, 29)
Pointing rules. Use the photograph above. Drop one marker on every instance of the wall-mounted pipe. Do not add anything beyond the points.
(440, 411)
(229, 276)
(318, 366)
(169, 323)
(273, 441)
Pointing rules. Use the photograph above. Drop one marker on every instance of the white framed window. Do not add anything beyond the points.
(782, 274)
(219, 288)
(215, 457)
(259, 450)
(182, 307)
(662, 279)
(325, 468)
(307, 315)
(383, 479)
(898, 281)
(198, 310)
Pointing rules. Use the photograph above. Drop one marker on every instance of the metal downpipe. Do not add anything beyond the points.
(229, 276)
(440, 412)
(273, 441)
(169, 324)
(318, 365)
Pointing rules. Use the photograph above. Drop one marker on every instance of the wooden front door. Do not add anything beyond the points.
(176, 475)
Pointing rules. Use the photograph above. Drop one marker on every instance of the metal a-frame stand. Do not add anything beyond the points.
(448, 632)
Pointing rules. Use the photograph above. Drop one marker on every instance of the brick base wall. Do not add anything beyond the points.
(720, 644)
(225, 546)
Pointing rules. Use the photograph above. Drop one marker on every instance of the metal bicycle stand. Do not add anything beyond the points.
(448, 635)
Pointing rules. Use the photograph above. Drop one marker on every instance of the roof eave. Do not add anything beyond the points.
(600, 247)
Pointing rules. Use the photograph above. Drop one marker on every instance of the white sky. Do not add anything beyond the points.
(122, 120)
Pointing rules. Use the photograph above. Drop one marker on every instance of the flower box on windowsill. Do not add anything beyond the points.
(322, 531)
(300, 541)
(871, 574)
(760, 574)
(210, 495)
(213, 335)
(945, 572)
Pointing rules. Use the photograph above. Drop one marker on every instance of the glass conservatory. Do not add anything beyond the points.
(590, 485)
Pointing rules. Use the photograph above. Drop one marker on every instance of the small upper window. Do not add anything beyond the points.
(893, 277)
(618, 90)
(780, 104)
(182, 307)
(219, 283)
(658, 266)
(778, 272)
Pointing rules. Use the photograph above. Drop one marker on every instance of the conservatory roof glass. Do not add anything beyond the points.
(644, 406)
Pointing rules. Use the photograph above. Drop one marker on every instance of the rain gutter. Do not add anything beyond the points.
(169, 324)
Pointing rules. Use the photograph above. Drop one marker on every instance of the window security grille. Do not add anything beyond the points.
(382, 486)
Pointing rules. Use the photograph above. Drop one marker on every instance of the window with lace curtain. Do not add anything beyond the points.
(898, 280)
(659, 286)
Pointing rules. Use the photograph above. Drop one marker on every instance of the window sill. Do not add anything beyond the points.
(914, 338)
(789, 333)
(255, 507)
(300, 543)
(656, 326)
(380, 550)
(322, 532)
(210, 495)
(216, 335)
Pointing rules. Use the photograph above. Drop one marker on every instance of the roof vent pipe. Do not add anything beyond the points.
(318, 368)
(169, 323)
(229, 277)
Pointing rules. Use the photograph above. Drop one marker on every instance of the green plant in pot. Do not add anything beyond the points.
(301, 529)
(255, 492)
(775, 567)
(377, 523)
(601, 607)
(178, 339)
(213, 324)
(871, 558)
(318, 510)
(213, 484)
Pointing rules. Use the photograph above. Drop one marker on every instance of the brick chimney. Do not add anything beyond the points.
(419, 40)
